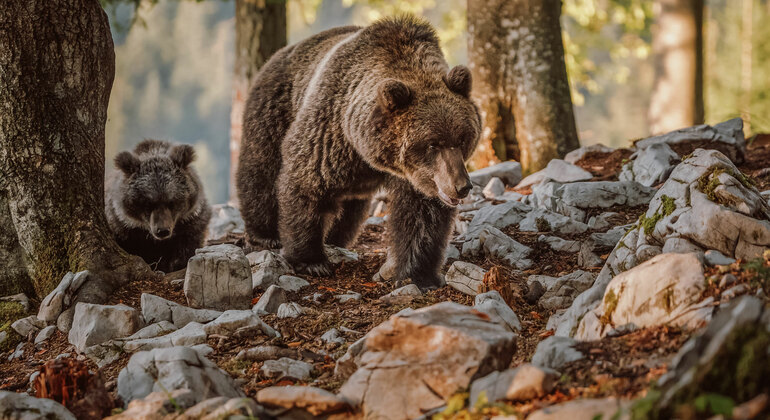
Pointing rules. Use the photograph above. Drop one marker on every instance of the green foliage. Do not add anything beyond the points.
(667, 206)
(481, 409)
(10, 312)
(761, 272)
(714, 404)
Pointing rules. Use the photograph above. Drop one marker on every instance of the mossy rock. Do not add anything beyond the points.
(10, 312)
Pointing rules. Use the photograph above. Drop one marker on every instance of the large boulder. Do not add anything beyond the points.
(218, 277)
(727, 137)
(574, 199)
(19, 406)
(650, 166)
(706, 203)
(171, 369)
(96, 324)
(417, 359)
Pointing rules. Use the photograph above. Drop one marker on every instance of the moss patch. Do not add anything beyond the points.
(610, 303)
(709, 181)
(667, 206)
(542, 224)
(10, 312)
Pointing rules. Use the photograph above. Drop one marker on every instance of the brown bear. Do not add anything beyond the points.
(336, 117)
(155, 204)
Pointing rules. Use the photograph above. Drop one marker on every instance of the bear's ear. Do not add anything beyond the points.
(393, 94)
(182, 155)
(127, 162)
(458, 80)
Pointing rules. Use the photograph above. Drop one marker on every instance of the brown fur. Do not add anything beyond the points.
(155, 204)
(334, 118)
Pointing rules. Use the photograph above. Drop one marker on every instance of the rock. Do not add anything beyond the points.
(315, 401)
(417, 359)
(153, 330)
(577, 154)
(727, 280)
(350, 295)
(555, 352)
(339, 255)
(494, 188)
(465, 277)
(557, 170)
(497, 244)
(508, 172)
(270, 267)
(19, 298)
(219, 408)
(218, 277)
(451, 253)
(585, 409)
(292, 283)
(650, 166)
(734, 291)
(27, 325)
(542, 220)
(191, 334)
(45, 334)
(717, 258)
(408, 290)
(657, 292)
(562, 291)
(156, 309)
(269, 302)
(333, 336)
(499, 216)
(61, 297)
(224, 219)
(290, 310)
(232, 320)
(520, 384)
(604, 221)
(174, 368)
(727, 137)
(19, 406)
(156, 405)
(17, 353)
(492, 304)
(287, 368)
(96, 324)
(575, 198)
(558, 244)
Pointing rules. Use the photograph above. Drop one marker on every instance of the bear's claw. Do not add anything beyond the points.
(317, 270)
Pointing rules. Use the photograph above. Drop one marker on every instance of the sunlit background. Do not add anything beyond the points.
(174, 67)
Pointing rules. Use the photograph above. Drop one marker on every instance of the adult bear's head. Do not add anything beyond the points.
(428, 130)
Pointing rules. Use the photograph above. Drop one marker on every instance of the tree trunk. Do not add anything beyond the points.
(260, 31)
(747, 30)
(56, 69)
(520, 82)
(677, 97)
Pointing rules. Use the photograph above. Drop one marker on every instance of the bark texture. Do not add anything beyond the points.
(57, 65)
(520, 82)
(677, 97)
(260, 31)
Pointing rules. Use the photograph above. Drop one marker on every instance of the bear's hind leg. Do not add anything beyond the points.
(301, 227)
(348, 223)
(419, 231)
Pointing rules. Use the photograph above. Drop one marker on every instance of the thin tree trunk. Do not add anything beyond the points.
(260, 31)
(677, 97)
(747, 30)
(520, 82)
(57, 64)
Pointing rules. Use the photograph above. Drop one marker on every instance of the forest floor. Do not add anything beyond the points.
(615, 366)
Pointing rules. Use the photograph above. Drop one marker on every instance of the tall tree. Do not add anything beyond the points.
(56, 70)
(260, 31)
(677, 45)
(520, 82)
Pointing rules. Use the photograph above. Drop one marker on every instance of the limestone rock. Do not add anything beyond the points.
(562, 291)
(520, 384)
(96, 324)
(315, 401)
(508, 172)
(559, 171)
(270, 266)
(292, 283)
(290, 310)
(339, 255)
(61, 297)
(269, 302)
(224, 219)
(585, 409)
(499, 216)
(156, 309)
(497, 244)
(231, 321)
(287, 368)
(554, 352)
(727, 137)
(492, 304)
(577, 154)
(465, 277)
(494, 188)
(156, 405)
(19, 406)
(27, 325)
(650, 166)
(218, 277)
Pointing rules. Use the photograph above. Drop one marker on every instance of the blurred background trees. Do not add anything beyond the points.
(176, 64)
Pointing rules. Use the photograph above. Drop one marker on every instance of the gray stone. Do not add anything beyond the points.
(156, 405)
(650, 166)
(339, 255)
(408, 290)
(559, 171)
(558, 244)
(20, 406)
(350, 295)
(494, 188)
(61, 297)
(290, 310)
(451, 253)
(218, 277)
(333, 336)
(232, 320)
(562, 291)
(735, 291)
(292, 283)
(173, 368)
(465, 277)
(499, 216)
(17, 353)
(542, 220)
(492, 304)
(727, 137)
(96, 324)
(727, 280)
(45, 334)
(585, 409)
(509, 172)
(717, 258)
(375, 221)
(577, 154)
(555, 352)
(269, 302)
(315, 401)
(603, 221)
(153, 330)
(156, 309)
(520, 384)
(189, 335)
(27, 325)
(287, 368)
(399, 377)
(497, 244)
(224, 219)
(270, 266)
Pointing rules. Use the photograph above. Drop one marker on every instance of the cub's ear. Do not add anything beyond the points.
(127, 162)
(393, 94)
(458, 80)
(182, 155)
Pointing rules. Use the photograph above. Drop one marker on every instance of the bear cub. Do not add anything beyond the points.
(338, 116)
(155, 204)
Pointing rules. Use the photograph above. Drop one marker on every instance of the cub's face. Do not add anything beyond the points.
(435, 133)
(158, 190)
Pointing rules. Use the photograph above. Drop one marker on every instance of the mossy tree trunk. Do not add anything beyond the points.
(57, 65)
(260, 31)
(520, 82)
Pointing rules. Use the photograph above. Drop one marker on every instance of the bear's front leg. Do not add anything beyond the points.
(301, 227)
(419, 231)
